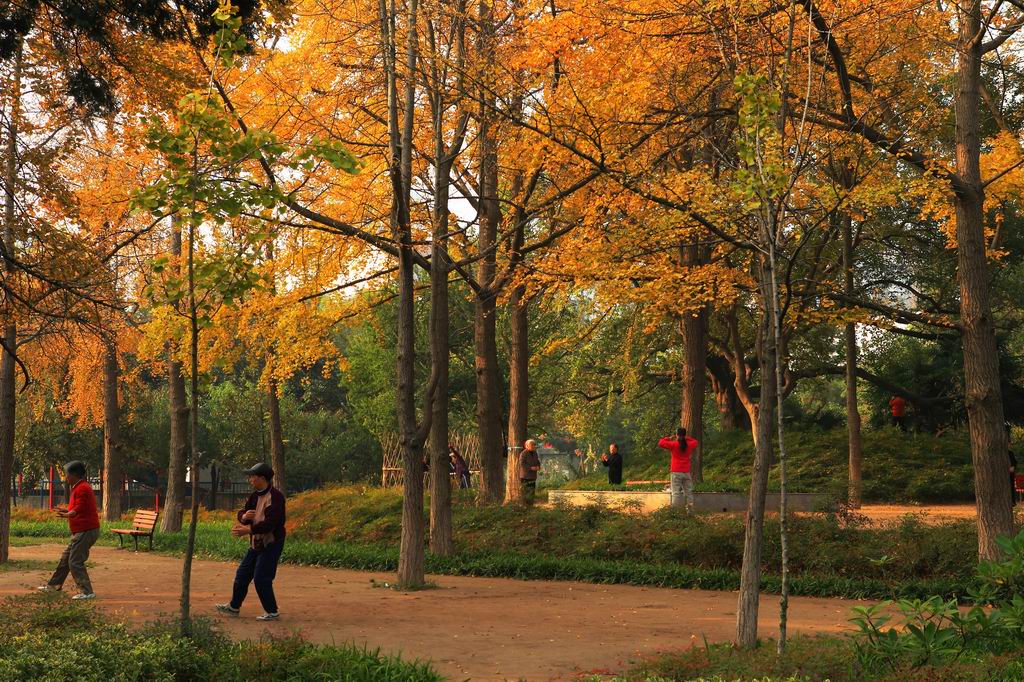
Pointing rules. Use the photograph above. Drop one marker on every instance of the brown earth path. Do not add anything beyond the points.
(472, 628)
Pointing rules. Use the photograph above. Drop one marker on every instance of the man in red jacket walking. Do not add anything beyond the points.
(84, 521)
(681, 446)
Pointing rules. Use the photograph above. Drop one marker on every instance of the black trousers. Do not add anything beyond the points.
(258, 568)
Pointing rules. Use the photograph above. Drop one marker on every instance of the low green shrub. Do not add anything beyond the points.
(47, 637)
(934, 632)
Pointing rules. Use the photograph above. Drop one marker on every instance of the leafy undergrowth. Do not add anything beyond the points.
(898, 467)
(812, 659)
(48, 637)
(837, 546)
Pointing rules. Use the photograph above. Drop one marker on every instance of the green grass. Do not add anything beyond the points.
(47, 637)
(812, 659)
(830, 555)
(898, 467)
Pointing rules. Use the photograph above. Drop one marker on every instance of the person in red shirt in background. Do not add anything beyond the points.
(84, 522)
(899, 412)
(681, 484)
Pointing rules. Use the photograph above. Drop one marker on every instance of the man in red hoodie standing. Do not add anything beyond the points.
(84, 521)
(681, 446)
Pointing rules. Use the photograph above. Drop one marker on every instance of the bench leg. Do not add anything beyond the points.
(150, 542)
(120, 541)
(136, 542)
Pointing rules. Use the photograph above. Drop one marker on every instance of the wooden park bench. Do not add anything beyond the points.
(143, 525)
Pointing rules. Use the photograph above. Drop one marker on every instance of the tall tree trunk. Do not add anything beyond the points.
(410, 559)
(753, 540)
(174, 498)
(400, 135)
(519, 390)
(7, 355)
(273, 401)
(441, 541)
(852, 413)
(693, 330)
(276, 437)
(983, 396)
(693, 334)
(485, 340)
(488, 378)
(193, 313)
(113, 470)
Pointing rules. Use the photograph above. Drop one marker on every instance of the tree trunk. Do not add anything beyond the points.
(693, 334)
(731, 415)
(7, 355)
(174, 498)
(410, 559)
(190, 545)
(411, 553)
(112, 446)
(485, 342)
(852, 413)
(693, 330)
(519, 390)
(276, 438)
(441, 541)
(753, 540)
(981, 357)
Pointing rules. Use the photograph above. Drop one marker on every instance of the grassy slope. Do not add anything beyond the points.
(898, 467)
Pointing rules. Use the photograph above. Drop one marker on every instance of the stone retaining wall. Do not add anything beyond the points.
(647, 501)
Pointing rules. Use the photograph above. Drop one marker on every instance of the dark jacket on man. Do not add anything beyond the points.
(614, 464)
(527, 461)
(274, 513)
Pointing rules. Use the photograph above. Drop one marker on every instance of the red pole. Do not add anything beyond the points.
(20, 476)
(51, 488)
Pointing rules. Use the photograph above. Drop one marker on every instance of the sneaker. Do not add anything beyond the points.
(85, 595)
(227, 608)
(269, 616)
(48, 588)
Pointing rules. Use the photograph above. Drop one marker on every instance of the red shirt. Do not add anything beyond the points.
(898, 406)
(680, 454)
(83, 503)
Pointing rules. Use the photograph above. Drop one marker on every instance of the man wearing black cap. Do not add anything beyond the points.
(262, 521)
(84, 522)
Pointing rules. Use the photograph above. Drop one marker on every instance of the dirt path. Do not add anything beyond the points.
(931, 514)
(472, 628)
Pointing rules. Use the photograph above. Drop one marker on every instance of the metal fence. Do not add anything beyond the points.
(134, 495)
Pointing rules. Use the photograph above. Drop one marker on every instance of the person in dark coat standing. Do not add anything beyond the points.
(529, 467)
(262, 521)
(459, 467)
(613, 460)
